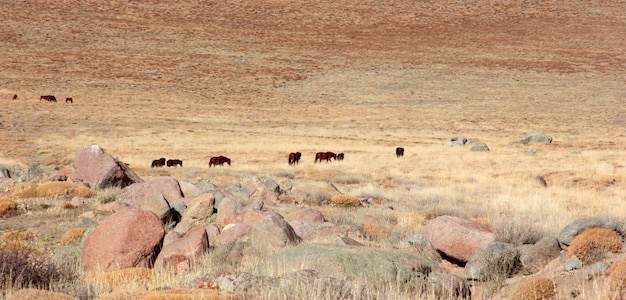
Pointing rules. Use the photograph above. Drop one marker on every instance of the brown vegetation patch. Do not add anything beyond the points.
(82, 191)
(175, 294)
(534, 289)
(374, 231)
(6, 206)
(345, 201)
(592, 244)
(617, 275)
(39, 295)
(55, 189)
(24, 190)
(14, 236)
(72, 236)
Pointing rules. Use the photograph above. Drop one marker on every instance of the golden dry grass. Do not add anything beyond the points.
(72, 236)
(6, 206)
(617, 275)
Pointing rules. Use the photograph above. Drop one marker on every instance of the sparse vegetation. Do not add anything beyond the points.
(535, 288)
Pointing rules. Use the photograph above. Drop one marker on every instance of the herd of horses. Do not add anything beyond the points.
(161, 162)
(293, 159)
(49, 98)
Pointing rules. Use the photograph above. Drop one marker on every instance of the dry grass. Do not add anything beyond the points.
(72, 236)
(7, 206)
(617, 275)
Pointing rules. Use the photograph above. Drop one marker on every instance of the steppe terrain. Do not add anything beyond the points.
(256, 80)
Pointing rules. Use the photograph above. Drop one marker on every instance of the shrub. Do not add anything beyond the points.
(24, 190)
(617, 275)
(71, 236)
(55, 189)
(21, 267)
(518, 232)
(534, 289)
(593, 244)
(345, 201)
(83, 191)
(374, 231)
(7, 206)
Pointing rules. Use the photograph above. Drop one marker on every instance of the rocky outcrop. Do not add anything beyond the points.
(458, 238)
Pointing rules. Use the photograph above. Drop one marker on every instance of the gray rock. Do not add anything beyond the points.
(273, 233)
(573, 263)
(537, 180)
(480, 147)
(496, 261)
(92, 165)
(597, 269)
(570, 231)
(5, 171)
(456, 141)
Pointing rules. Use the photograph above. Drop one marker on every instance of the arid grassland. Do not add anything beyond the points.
(256, 80)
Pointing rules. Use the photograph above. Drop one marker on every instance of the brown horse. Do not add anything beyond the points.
(327, 156)
(399, 152)
(70, 100)
(294, 158)
(340, 156)
(174, 162)
(219, 161)
(15, 97)
(157, 163)
(49, 98)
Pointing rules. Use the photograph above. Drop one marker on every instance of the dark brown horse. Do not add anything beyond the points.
(70, 100)
(174, 162)
(157, 163)
(399, 152)
(340, 156)
(327, 156)
(219, 161)
(49, 98)
(15, 97)
(294, 158)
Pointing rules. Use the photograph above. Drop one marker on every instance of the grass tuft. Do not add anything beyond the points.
(593, 244)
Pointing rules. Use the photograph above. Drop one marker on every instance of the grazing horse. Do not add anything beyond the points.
(399, 152)
(294, 158)
(327, 156)
(49, 98)
(340, 156)
(15, 97)
(174, 162)
(157, 163)
(70, 100)
(219, 161)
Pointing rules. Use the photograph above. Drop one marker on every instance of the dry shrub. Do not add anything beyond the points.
(83, 191)
(22, 267)
(24, 190)
(518, 231)
(592, 244)
(373, 230)
(7, 206)
(120, 278)
(617, 275)
(71, 236)
(55, 189)
(345, 201)
(534, 289)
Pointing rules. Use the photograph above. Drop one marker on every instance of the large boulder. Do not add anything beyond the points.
(569, 232)
(128, 238)
(178, 255)
(273, 233)
(157, 196)
(533, 137)
(458, 238)
(92, 165)
(535, 256)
